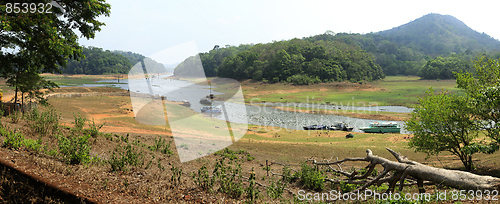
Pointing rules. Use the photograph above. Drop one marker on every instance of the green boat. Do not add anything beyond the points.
(383, 127)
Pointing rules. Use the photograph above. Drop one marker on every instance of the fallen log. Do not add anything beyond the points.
(404, 168)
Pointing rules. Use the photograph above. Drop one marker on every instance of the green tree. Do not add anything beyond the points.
(41, 42)
(483, 89)
(442, 122)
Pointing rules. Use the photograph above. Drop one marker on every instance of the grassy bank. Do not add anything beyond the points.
(265, 142)
(393, 90)
(79, 80)
(133, 162)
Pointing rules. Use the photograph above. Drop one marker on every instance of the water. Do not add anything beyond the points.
(178, 90)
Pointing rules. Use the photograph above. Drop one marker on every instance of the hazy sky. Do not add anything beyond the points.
(149, 26)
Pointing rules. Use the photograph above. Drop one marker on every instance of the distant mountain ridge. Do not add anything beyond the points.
(436, 34)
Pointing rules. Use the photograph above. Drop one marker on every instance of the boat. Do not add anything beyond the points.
(206, 100)
(316, 127)
(341, 126)
(382, 127)
(185, 103)
(211, 109)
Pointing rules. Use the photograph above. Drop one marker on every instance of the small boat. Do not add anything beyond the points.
(316, 127)
(341, 126)
(211, 109)
(206, 101)
(185, 103)
(377, 127)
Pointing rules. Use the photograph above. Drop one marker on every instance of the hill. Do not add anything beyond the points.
(295, 61)
(438, 43)
(436, 34)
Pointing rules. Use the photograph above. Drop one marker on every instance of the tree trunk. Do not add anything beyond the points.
(451, 178)
(405, 167)
(15, 99)
(22, 102)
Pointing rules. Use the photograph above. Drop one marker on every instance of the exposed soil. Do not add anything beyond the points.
(31, 177)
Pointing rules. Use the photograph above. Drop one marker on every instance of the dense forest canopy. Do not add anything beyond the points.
(296, 61)
(433, 47)
(97, 61)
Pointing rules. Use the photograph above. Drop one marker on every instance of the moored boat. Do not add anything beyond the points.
(185, 103)
(206, 101)
(211, 109)
(377, 127)
(341, 126)
(316, 127)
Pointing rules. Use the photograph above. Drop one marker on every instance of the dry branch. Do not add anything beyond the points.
(423, 174)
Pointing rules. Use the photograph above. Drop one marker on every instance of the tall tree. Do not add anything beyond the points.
(483, 89)
(41, 40)
(441, 122)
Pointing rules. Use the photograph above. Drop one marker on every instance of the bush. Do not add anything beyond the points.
(94, 129)
(310, 178)
(79, 122)
(124, 156)
(13, 140)
(229, 178)
(162, 146)
(15, 117)
(43, 122)
(75, 149)
(287, 174)
(275, 189)
(300, 79)
(34, 145)
(252, 190)
(203, 179)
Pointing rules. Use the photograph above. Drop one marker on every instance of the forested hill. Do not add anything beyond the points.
(436, 34)
(98, 61)
(296, 61)
(433, 47)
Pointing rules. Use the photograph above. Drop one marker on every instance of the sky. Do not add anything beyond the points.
(159, 28)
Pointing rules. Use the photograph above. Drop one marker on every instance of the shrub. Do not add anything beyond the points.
(310, 178)
(162, 146)
(12, 139)
(123, 156)
(300, 79)
(79, 122)
(275, 189)
(75, 149)
(43, 122)
(229, 178)
(252, 190)
(176, 175)
(15, 117)
(35, 145)
(287, 174)
(203, 179)
(94, 129)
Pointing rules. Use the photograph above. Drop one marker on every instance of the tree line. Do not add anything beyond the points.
(297, 61)
(332, 57)
(97, 61)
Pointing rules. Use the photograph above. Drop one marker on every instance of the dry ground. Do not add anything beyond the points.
(96, 182)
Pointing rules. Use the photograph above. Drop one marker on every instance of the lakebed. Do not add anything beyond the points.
(276, 145)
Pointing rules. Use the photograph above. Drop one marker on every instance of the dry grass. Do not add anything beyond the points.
(96, 181)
